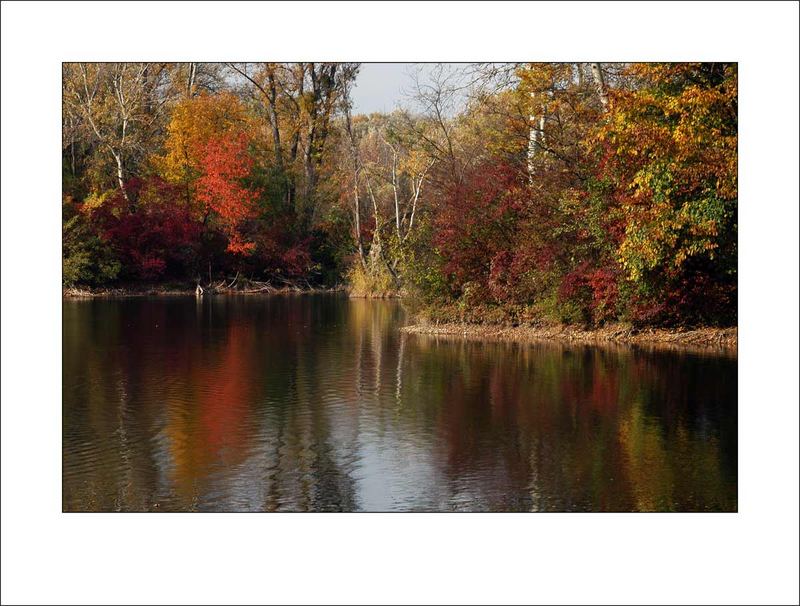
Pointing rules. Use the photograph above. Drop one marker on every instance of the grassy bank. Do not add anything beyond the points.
(722, 339)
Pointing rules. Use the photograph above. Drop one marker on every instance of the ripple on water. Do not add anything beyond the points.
(317, 403)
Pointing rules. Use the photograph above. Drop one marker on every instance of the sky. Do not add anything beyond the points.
(383, 87)
(379, 86)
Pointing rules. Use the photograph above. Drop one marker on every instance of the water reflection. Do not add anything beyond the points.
(319, 403)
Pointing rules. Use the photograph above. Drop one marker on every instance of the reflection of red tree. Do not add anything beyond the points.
(604, 393)
(207, 418)
(226, 393)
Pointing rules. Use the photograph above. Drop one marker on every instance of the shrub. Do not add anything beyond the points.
(86, 259)
(372, 281)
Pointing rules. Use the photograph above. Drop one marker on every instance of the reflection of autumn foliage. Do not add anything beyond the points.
(293, 402)
(212, 432)
(585, 426)
(224, 402)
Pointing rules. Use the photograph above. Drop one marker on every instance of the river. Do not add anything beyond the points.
(320, 403)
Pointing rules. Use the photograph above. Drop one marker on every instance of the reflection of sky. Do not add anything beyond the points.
(396, 475)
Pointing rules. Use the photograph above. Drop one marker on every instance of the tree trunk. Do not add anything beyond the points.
(535, 133)
(273, 109)
(600, 85)
(396, 194)
(121, 177)
(358, 227)
(190, 80)
(356, 173)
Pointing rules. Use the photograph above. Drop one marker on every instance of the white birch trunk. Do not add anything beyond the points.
(600, 85)
(535, 133)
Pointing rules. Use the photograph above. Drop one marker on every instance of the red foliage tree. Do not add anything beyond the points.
(223, 192)
(154, 237)
(475, 226)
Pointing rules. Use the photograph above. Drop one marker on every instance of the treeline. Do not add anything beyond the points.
(196, 171)
(582, 193)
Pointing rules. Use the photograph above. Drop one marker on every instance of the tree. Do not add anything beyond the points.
(222, 190)
(299, 102)
(158, 240)
(576, 192)
(670, 148)
(600, 84)
(194, 122)
(187, 80)
(119, 103)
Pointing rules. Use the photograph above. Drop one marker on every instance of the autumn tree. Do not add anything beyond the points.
(387, 168)
(120, 106)
(574, 192)
(157, 240)
(299, 102)
(222, 190)
(670, 151)
(194, 122)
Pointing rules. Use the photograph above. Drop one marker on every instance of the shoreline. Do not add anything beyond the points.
(722, 340)
(707, 339)
(170, 291)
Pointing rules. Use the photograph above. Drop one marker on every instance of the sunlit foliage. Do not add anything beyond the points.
(570, 192)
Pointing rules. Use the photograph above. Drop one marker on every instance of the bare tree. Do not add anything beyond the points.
(390, 168)
(437, 94)
(327, 83)
(263, 77)
(189, 79)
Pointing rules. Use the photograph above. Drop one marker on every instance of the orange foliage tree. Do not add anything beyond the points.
(222, 190)
(193, 124)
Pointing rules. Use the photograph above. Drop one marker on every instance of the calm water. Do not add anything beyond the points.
(319, 403)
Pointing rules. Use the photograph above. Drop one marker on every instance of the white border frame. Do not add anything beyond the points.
(749, 557)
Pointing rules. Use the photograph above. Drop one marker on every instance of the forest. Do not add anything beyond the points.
(579, 193)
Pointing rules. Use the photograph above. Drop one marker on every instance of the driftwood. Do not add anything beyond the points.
(294, 285)
(259, 287)
(238, 284)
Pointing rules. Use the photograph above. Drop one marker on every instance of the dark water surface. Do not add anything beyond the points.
(319, 403)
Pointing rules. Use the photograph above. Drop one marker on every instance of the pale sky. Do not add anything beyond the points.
(380, 87)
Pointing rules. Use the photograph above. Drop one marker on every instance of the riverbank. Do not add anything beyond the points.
(722, 339)
(719, 339)
(162, 290)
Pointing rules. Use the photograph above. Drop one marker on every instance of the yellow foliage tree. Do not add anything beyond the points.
(195, 122)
